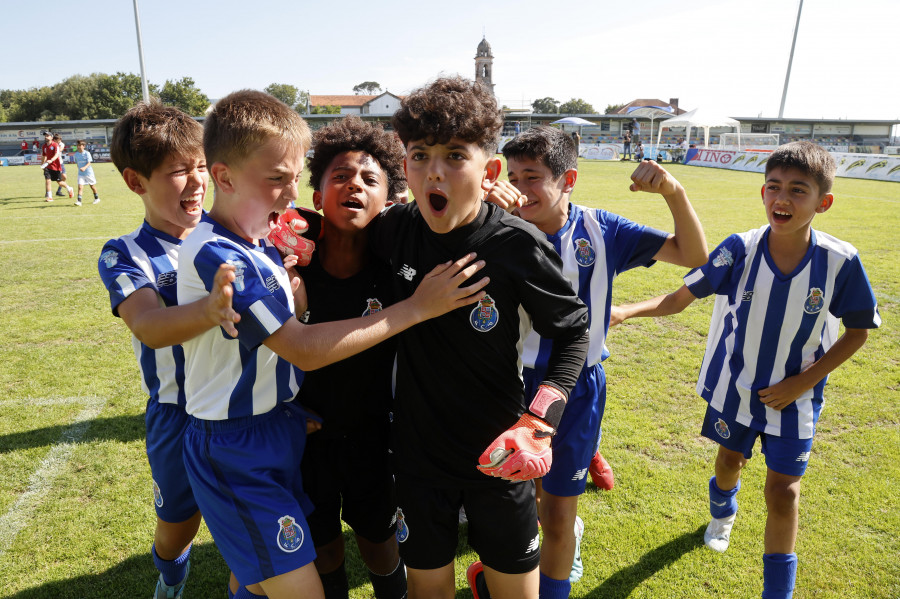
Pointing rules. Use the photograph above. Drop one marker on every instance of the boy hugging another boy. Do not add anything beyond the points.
(243, 447)
(464, 432)
(354, 169)
(773, 340)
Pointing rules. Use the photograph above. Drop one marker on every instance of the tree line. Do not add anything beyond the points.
(103, 96)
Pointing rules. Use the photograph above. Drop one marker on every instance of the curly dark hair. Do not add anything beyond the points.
(352, 134)
(450, 107)
(555, 149)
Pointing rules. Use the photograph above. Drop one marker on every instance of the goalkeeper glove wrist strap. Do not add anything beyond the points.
(548, 405)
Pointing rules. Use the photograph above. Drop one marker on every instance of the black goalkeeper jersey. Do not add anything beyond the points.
(459, 382)
(354, 394)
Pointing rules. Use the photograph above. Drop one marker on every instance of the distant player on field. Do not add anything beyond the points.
(595, 246)
(773, 340)
(83, 160)
(159, 151)
(57, 139)
(51, 163)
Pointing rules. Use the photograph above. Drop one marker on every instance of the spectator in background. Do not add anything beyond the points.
(24, 146)
(626, 139)
(36, 147)
(639, 151)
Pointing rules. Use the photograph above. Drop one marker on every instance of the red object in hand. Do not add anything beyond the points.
(520, 453)
(296, 232)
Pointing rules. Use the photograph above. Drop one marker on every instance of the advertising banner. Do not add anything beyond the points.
(868, 166)
(879, 167)
(68, 134)
(714, 158)
(599, 151)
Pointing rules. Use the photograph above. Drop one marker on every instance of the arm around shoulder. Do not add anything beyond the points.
(314, 346)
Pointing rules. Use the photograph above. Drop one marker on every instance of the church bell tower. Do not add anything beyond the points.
(484, 65)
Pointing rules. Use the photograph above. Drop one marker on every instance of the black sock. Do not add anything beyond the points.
(335, 583)
(390, 586)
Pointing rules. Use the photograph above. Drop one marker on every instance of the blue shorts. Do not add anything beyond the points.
(576, 439)
(172, 495)
(784, 456)
(245, 473)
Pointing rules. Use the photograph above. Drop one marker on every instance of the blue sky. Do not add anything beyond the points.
(726, 55)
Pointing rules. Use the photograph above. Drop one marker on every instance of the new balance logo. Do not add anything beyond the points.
(407, 272)
(803, 457)
(579, 474)
(534, 544)
(747, 296)
(166, 278)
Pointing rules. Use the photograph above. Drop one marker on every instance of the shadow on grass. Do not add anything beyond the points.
(623, 582)
(118, 428)
(136, 577)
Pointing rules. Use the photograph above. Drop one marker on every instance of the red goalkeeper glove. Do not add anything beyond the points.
(295, 233)
(523, 451)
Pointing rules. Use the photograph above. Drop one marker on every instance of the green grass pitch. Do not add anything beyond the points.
(76, 515)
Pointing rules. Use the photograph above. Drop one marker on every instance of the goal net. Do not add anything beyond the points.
(765, 142)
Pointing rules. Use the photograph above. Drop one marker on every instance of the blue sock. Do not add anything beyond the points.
(243, 593)
(174, 571)
(551, 588)
(722, 503)
(230, 594)
(779, 574)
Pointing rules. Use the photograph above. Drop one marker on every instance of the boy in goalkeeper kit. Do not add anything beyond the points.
(773, 340)
(246, 436)
(464, 432)
(595, 246)
(354, 169)
(159, 152)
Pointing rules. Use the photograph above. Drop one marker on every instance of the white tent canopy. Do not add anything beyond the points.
(701, 119)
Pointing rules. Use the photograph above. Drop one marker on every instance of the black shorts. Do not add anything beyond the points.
(349, 479)
(503, 527)
(52, 175)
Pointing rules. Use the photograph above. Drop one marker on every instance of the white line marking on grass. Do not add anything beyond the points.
(42, 479)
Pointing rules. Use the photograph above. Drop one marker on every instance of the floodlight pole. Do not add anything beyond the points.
(145, 89)
(787, 77)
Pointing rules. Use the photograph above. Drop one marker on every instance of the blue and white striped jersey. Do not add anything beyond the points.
(147, 257)
(767, 326)
(595, 246)
(228, 377)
